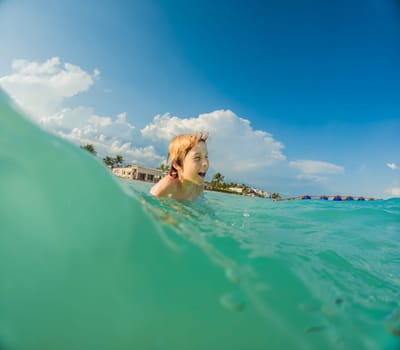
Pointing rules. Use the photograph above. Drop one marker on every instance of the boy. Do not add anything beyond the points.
(188, 156)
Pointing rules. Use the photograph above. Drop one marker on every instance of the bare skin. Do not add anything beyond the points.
(189, 183)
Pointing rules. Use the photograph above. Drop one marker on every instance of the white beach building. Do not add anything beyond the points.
(138, 172)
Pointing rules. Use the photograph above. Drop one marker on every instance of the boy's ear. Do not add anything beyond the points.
(176, 165)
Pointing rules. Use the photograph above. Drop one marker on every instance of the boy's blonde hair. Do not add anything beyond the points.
(180, 147)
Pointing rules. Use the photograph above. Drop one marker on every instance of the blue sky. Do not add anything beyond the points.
(299, 96)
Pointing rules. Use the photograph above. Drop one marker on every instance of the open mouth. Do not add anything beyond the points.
(202, 175)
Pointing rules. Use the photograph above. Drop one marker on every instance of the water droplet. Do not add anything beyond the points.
(233, 301)
(339, 301)
(232, 275)
(393, 322)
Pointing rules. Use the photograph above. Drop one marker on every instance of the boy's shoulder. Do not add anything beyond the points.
(166, 186)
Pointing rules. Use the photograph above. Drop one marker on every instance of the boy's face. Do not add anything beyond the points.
(195, 164)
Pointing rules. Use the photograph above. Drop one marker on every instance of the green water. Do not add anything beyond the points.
(91, 262)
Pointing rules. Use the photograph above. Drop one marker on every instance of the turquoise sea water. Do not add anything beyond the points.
(88, 261)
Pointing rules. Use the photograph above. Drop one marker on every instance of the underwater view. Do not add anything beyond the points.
(90, 261)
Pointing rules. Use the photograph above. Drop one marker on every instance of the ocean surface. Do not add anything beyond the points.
(89, 261)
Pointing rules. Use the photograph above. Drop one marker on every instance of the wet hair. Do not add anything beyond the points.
(180, 146)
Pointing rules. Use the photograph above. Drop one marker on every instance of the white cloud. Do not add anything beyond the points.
(41, 88)
(316, 167)
(312, 169)
(235, 147)
(392, 166)
(393, 192)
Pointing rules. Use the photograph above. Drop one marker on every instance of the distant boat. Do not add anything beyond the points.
(361, 199)
(306, 197)
(349, 198)
(337, 198)
(325, 198)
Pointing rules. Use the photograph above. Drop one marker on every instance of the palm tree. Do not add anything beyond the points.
(276, 196)
(245, 189)
(164, 167)
(218, 178)
(109, 161)
(90, 148)
(118, 160)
